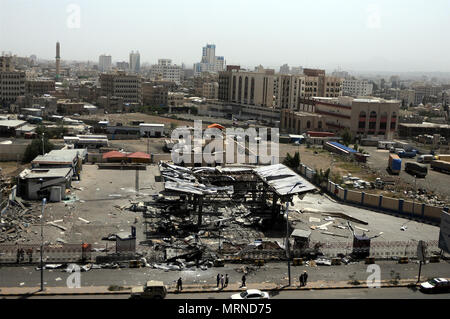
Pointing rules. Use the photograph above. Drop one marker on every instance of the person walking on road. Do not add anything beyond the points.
(222, 281)
(226, 280)
(243, 281)
(218, 280)
(179, 284)
(305, 278)
(301, 279)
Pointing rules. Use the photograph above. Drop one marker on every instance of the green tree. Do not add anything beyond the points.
(35, 149)
(346, 137)
(292, 161)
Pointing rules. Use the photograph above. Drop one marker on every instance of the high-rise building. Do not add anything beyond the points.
(247, 88)
(104, 63)
(12, 82)
(124, 66)
(210, 62)
(284, 69)
(357, 88)
(58, 61)
(122, 85)
(135, 62)
(166, 71)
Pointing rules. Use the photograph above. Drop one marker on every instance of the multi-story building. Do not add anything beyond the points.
(135, 62)
(124, 66)
(175, 99)
(248, 88)
(120, 84)
(289, 90)
(209, 62)
(369, 116)
(166, 71)
(210, 90)
(39, 86)
(12, 82)
(154, 95)
(104, 63)
(284, 69)
(357, 88)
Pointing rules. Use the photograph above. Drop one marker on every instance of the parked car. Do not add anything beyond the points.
(435, 285)
(251, 294)
(151, 290)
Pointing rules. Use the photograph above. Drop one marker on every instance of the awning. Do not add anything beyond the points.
(113, 154)
(215, 125)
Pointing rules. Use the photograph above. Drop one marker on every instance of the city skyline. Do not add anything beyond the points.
(349, 36)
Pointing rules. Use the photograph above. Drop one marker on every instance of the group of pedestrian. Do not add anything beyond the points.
(20, 255)
(222, 281)
(303, 279)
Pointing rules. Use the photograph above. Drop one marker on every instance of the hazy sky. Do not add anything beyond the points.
(377, 35)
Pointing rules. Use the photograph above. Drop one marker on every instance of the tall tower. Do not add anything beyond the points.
(58, 61)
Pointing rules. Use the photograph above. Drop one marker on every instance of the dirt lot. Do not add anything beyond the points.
(435, 183)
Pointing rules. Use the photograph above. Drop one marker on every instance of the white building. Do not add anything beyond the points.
(151, 130)
(166, 71)
(104, 63)
(135, 62)
(357, 88)
(210, 62)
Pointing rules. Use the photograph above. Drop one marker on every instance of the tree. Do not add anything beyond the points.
(346, 137)
(292, 161)
(35, 149)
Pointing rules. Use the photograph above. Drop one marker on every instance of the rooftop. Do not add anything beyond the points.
(45, 173)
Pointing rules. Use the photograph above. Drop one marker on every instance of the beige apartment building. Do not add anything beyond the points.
(154, 95)
(120, 84)
(364, 117)
(210, 90)
(248, 88)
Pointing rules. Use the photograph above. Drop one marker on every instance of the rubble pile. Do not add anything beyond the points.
(16, 222)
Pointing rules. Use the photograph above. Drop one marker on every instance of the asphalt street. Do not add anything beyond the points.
(270, 273)
(361, 293)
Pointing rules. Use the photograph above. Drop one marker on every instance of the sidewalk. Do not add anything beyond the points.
(103, 290)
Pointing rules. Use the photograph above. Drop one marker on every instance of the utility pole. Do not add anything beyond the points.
(288, 253)
(137, 182)
(43, 147)
(42, 244)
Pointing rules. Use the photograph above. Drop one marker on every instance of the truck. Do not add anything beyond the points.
(394, 164)
(416, 169)
(151, 290)
(441, 166)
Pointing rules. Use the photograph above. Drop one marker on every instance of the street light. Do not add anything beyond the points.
(44, 201)
(288, 253)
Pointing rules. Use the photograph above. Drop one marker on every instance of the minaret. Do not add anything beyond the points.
(58, 58)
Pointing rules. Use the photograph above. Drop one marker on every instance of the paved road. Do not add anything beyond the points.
(270, 273)
(381, 293)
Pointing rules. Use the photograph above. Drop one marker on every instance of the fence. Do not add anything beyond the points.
(401, 207)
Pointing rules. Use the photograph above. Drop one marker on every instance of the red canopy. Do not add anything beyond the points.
(140, 155)
(114, 154)
(215, 125)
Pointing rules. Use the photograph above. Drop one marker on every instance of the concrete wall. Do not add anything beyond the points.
(412, 208)
(433, 212)
(353, 196)
(389, 203)
(12, 152)
(371, 200)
